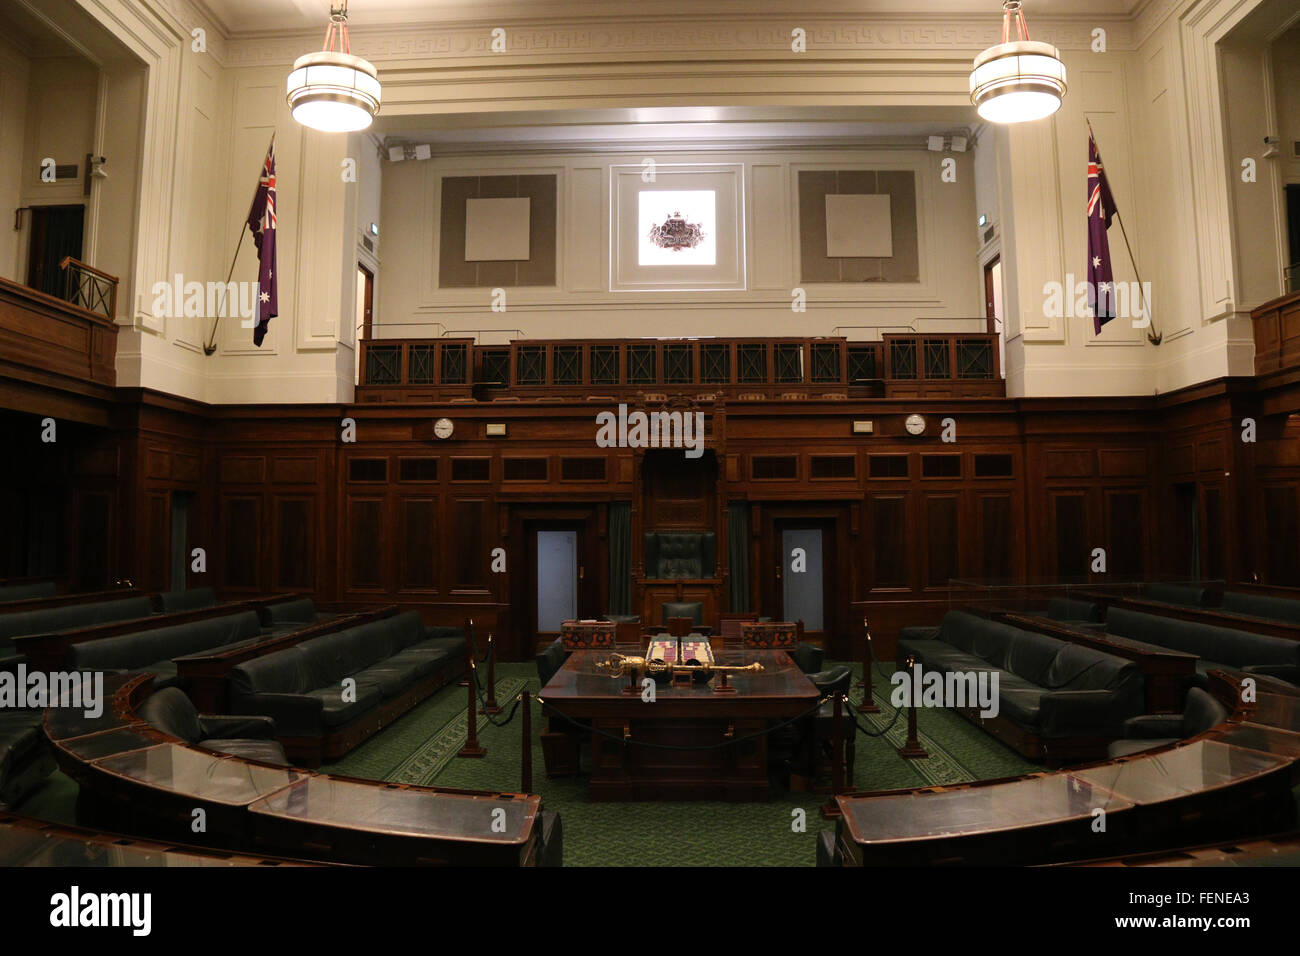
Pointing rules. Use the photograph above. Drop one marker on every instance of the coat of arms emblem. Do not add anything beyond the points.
(676, 233)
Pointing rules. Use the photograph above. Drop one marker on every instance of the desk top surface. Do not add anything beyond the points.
(1054, 798)
(779, 680)
(471, 817)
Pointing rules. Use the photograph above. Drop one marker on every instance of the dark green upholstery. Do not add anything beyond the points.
(1072, 609)
(808, 657)
(194, 599)
(1215, 646)
(551, 849)
(1191, 595)
(1262, 605)
(550, 660)
(25, 760)
(171, 712)
(623, 618)
(828, 850)
(1045, 686)
(71, 617)
(1201, 711)
(26, 592)
(155, 650)
(680, 554)
(301, 687)
(300, 611)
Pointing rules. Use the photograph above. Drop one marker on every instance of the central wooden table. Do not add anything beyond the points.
(690, 743)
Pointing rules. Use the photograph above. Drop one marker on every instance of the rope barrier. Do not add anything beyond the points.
(478, 689)
(898, 712)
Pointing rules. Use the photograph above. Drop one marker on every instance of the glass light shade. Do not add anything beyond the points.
(333, 92)
(1017, 82)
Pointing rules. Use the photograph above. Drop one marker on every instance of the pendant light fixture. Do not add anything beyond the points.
(1017, 80)
(334, 91)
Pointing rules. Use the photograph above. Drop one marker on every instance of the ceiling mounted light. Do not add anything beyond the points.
(1017, 80)
(334, 91)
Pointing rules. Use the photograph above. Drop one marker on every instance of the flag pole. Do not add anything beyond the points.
(210, 346)
(1154, 337)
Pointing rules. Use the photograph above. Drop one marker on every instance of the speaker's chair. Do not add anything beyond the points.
(689, 609)
(680, 554)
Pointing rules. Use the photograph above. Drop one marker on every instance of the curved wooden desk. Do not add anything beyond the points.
(137, 780)
(1232, 781)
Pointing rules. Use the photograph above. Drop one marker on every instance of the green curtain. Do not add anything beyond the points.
(620, 558)
(738, 554)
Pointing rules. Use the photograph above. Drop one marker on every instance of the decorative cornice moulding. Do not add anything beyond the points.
(830, 37)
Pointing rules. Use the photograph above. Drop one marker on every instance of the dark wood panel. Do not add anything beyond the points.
(365, 561)
(1069, 535)
(295, 563)
(996, 538)
(1125, 534)
(890, 542)
(1281, 547)
(241, 522)
(469, 556)
(942, 540)
(418, 526)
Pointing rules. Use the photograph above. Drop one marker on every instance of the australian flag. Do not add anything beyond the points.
(1101, 208)
(261, 220)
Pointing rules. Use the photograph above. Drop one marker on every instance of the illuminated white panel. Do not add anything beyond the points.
(697, 207)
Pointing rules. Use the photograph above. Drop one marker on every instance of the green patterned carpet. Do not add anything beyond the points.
(420, 748)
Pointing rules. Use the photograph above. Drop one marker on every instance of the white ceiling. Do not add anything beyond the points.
(260, 16)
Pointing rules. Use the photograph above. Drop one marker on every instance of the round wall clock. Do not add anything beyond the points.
(443, 428)
(915, 424)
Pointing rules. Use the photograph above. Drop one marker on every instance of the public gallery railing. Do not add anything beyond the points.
(907, 365)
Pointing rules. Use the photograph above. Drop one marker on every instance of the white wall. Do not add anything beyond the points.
(15, 68)
(1153, 99)
(581, 305)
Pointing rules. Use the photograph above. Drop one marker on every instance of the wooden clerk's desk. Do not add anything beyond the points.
(581, 695)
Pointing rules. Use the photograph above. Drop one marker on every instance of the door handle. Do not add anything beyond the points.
(581, 572)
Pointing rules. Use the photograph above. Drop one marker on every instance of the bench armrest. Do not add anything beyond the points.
(1154, 727)
(295, 715)
(231, 726)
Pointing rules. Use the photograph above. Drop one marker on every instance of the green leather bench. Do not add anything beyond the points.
(194, 599)
(1262, 605)
(155, 650)
(68, 617)
(395, 662)
(1048, 689)
(1217, 647)
(1074, 611)
(1189, 595)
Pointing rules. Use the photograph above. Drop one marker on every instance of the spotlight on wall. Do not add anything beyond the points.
(958, 144)
(94, 170)
(398, 151)
(934, 144)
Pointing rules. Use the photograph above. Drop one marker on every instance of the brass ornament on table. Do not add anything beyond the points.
(621, 665)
